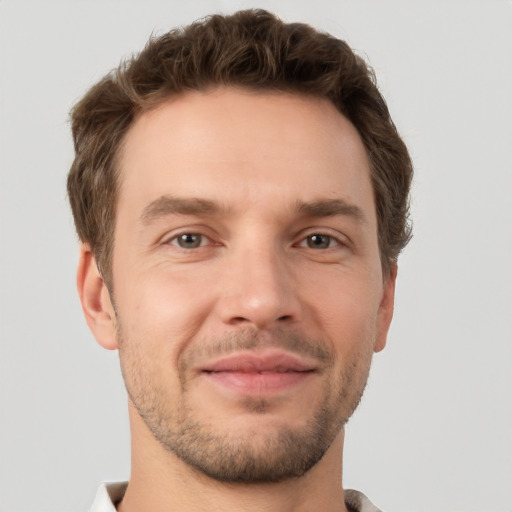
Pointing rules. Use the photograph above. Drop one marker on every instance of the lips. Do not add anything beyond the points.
(259, 373)
(268, 362)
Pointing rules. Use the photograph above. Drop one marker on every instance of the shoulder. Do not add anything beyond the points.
(357, 502)
(107, 496)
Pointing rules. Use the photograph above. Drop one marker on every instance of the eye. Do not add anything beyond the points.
(319, 241)
(189, 240)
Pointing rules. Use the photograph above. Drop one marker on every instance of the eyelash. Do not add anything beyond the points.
(331, 240)
(175, 240)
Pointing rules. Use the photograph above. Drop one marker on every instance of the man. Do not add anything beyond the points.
(241, 197)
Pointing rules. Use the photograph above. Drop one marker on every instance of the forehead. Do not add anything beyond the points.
(243, 146)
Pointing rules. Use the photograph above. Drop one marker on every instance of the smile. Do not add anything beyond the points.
(253, 374)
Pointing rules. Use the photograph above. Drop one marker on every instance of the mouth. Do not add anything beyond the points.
(256, 374)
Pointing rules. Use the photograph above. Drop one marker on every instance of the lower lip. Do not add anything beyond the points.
(257, 383)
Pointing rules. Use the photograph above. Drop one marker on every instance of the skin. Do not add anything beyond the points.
(258, 274)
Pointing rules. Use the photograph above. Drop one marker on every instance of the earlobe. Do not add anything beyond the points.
(96, 304)
(386, 308)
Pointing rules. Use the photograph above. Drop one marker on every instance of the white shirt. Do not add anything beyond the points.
(110, 494)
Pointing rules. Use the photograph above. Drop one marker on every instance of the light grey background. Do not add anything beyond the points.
(434, 431)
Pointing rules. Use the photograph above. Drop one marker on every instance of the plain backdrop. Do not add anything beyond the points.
(434, 430)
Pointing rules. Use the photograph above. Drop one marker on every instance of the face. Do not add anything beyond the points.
(247, 284)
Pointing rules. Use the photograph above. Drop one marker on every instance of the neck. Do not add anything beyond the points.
(160, 482)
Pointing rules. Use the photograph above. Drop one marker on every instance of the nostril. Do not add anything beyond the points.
(241, 319)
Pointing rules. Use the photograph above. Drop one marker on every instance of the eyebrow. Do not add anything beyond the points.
(331, 207)
(169, 205)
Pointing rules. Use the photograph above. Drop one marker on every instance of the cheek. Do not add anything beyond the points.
(162, 311)
(346, 307)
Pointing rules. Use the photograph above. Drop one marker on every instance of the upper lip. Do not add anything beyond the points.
(276, 361)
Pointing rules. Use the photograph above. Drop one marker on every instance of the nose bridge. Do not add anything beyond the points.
(259, 288)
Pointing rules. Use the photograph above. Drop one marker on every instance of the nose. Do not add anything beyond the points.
(259, 290)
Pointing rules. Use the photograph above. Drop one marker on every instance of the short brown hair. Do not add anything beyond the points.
(252, 49)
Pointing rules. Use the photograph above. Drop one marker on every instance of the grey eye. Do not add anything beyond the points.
(189, 240)
(319, 241)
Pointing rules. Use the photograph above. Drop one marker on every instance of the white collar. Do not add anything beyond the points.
(109, 494)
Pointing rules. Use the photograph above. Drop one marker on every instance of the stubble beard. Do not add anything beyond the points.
(246, 456)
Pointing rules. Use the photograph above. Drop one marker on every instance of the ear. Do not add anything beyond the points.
(95, 298)
(386, 307)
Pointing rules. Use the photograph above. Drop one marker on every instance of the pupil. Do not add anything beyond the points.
(318, 241)
(188, 241)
